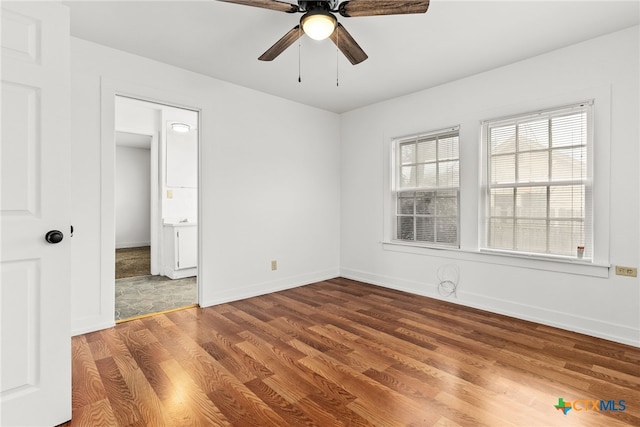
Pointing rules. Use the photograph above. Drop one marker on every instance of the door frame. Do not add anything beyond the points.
(109, 89)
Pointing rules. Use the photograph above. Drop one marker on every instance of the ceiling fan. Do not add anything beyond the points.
(319, 21)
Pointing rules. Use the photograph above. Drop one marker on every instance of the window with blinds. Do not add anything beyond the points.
(426, 188)
(538, 183)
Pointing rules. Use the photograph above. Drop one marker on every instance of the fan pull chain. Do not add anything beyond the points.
(299, 55)
(337, 58)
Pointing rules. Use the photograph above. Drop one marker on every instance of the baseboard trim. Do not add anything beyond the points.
(592, 327)
(262, 288)
(127, 245)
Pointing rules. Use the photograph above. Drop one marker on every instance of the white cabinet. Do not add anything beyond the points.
(180, 250)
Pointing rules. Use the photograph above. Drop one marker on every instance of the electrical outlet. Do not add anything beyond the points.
(626, 271)
(274, 265)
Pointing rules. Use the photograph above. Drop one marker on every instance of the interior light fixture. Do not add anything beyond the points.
(318, 24)
(180, 127)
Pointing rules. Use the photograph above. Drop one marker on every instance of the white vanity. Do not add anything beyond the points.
(180, 249)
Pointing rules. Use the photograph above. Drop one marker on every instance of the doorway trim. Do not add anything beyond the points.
(109, 89)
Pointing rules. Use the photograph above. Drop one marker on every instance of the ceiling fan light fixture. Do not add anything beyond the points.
(318, 24)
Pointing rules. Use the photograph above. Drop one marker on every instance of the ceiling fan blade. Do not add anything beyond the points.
(382, 7)
(347, 45)
(267, 4)
(287, 40)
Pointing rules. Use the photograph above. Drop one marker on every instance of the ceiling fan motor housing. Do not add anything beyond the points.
(312, 5)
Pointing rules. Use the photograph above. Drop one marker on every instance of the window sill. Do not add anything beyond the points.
(535, 262)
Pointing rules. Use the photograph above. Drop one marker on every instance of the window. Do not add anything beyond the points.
(426, 189)
(538, 183)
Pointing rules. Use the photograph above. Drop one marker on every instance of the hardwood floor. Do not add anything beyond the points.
(341, 352)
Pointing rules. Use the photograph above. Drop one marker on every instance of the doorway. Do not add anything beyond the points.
(156, 205)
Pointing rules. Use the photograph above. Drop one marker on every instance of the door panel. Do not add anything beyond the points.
(20, 36)
(35, 385)
(20, 150)
(20, 280)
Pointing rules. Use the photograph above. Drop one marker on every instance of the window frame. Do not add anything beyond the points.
(396, 190)
(549, 183)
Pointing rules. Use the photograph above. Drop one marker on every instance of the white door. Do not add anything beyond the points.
(35, 375)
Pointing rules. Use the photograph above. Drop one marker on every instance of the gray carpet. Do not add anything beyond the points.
(138, 296)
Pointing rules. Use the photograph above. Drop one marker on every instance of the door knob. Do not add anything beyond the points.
(54, 236)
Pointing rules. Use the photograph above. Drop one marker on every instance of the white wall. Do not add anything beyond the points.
(133, 197)
(571, 297)
(180, 170)
(269, 188)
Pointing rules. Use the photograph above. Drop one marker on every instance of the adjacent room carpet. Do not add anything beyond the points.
(133, 262)
(138, 296)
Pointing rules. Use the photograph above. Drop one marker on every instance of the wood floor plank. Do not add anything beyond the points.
(204, 411)
(388, 406)
(360, 357)
(122, 403)
(97, 413)
(147, 402)
(345, 353)
(292, 414)
(87, 386)
(118, 350)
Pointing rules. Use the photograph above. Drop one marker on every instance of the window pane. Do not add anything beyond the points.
(565, 237)
(408, 177)
(425, 203)
(408, 153)
(447, 230)
(569, 130)
(405, 203)
(447, 206)
(531, 235)
(427, 151)
(569, 163)
(424, 229)
(567, 201)
(427, 175)
(531, 202)
(533, 166)
(500, 233)
(405, 228)
(448, 148)
(533, 135)
(501, 200)
(531, 154)
(503, 169)
(502, 140)
(449, 174)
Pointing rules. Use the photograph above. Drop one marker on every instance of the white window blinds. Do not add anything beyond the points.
(426, 189)
(538, 183)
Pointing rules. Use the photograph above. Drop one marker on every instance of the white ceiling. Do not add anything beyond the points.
(407, 53)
